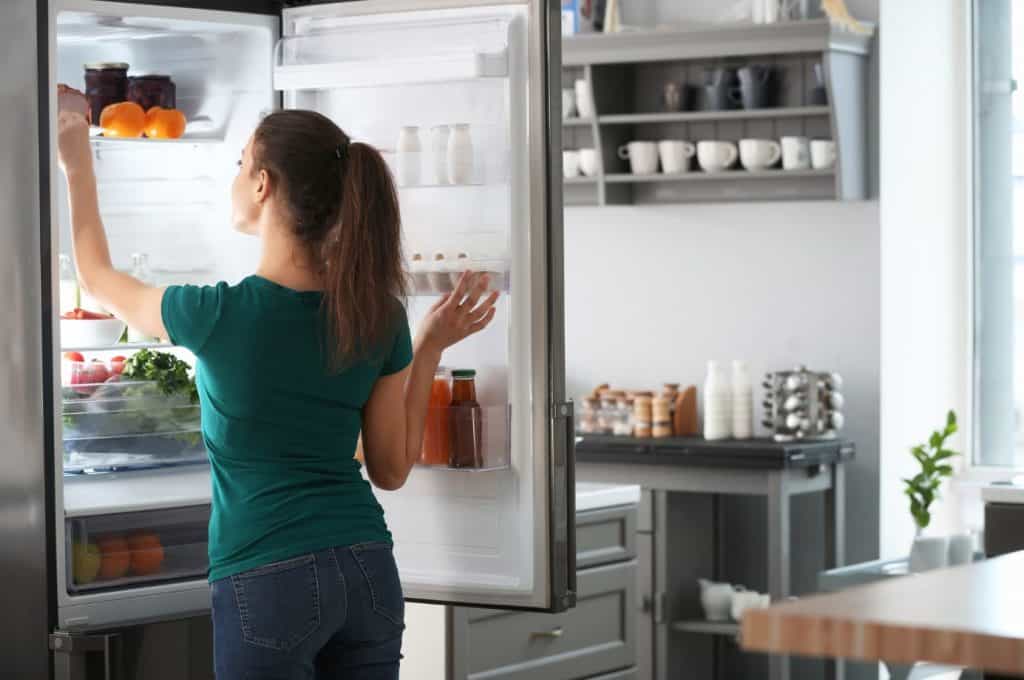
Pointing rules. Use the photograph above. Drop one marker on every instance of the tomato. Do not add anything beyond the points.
(96, 372)
(117, 365)
(79, 313)
(73, 356)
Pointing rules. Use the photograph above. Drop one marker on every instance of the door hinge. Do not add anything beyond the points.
(562, 410)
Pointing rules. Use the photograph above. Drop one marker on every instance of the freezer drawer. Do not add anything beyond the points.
(129, 550)
(596, 637)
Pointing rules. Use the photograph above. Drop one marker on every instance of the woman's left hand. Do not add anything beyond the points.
(73, 150)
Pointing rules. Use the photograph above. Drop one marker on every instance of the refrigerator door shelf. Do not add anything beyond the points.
(437, 69)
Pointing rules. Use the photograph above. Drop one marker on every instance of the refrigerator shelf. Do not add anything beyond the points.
(138, 491)
(120, 346)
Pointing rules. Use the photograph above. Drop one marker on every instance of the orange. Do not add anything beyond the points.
(147, 553)
(114, 557)
(126, 119)
(164, 123)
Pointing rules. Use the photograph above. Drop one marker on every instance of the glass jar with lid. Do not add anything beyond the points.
(106, 83)
(586, 421)
(152, 90)
(466, 421)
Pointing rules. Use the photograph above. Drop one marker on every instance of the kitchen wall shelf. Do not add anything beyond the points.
(627, 73)
(729, 628)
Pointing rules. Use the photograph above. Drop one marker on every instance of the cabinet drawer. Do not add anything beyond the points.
(594, 638)
(605, 536)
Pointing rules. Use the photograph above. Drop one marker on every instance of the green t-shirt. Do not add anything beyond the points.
(280, 428)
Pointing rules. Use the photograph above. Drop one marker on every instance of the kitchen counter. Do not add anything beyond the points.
(594, 496)
(966, 616)
(699, 452)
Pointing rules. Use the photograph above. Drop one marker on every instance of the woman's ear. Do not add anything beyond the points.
(262, 186)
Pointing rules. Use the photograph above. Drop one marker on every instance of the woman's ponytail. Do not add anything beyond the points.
(363, 275)
(342, 204)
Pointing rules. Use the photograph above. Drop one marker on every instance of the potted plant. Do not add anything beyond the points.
(929, 552)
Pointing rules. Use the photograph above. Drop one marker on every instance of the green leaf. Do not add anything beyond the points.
(935, 441)
(946, 470)
(943, 454)
(951, 418)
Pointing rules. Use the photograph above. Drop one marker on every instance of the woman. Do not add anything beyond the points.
(292, 364)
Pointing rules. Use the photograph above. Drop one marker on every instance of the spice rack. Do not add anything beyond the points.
(626, 74)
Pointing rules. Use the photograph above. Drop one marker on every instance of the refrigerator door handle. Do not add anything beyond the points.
(563, 416)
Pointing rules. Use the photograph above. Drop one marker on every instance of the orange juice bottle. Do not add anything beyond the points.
(437, 438)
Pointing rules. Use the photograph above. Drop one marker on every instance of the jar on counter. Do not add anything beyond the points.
(623, 425)
(466, 421)
(152, 90)
(661, 418)
(642, 417)
(586, 422)
(106, 83)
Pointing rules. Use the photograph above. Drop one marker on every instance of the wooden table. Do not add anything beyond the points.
(971, 616)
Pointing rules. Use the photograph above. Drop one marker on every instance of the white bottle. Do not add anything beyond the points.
(439, 135)
(717, 403)
(140, 271)
(460, 155)
(742, 401)
(410, 156)
(68, 285)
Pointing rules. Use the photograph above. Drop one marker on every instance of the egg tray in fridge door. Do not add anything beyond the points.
(122, 425)
(803, 404)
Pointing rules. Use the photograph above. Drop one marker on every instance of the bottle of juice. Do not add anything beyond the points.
(467, 421)
(437, 438)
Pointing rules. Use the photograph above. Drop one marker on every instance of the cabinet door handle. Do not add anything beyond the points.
(552, 634)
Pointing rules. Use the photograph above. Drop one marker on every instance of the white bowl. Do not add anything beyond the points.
(90, 332)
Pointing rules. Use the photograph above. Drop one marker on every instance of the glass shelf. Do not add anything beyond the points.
(121, 346)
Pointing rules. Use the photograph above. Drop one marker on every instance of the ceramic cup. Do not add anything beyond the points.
(742, 601)
(675, 155)
(823, 154)
(961, 550)
(758, 154)
(584, 99)
(588, 162)
(715, 156)
(568, 103)
(796, 153)
(642, 156)
(570, 163)
(929, 552)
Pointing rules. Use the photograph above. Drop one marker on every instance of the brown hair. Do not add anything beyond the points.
(342, 203)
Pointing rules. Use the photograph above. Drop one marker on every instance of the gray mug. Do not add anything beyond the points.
(718, 86)
(755, 87)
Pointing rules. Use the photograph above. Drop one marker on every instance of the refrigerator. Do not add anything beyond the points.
(105, 492)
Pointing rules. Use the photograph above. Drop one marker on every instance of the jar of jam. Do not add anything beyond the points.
(466, 422)
(152, 90)
(437, 434)
(106, 83)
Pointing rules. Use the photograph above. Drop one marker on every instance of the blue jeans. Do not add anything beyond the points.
(337, 613)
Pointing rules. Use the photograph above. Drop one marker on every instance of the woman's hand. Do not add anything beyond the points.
(458, 314)
(73, 150)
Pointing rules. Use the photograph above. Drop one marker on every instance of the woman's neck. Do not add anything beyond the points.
(284, 261)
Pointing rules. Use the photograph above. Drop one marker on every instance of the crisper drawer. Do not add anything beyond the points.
(121, 425)
(597, 637)
(127, 550)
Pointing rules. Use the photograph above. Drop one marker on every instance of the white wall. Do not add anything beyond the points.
(924, 304)
(652, 293)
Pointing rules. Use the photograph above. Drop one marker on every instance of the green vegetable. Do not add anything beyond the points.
(923, 488)
(171, 374)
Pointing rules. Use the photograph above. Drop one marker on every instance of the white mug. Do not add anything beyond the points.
(795, 153)
(823, 154)
(643, 157)
(588, 162)
(758, 154)
(568, 103)
(675, 155)
(570, 163)
(584, 99)
(715, 156)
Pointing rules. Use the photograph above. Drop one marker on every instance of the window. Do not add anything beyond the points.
(998, 112)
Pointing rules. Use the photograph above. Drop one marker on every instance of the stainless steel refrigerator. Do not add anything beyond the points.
(462, 98)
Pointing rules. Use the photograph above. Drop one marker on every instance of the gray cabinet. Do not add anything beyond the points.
(597, 640)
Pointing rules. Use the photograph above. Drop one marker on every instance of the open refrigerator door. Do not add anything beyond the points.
(455, 96)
